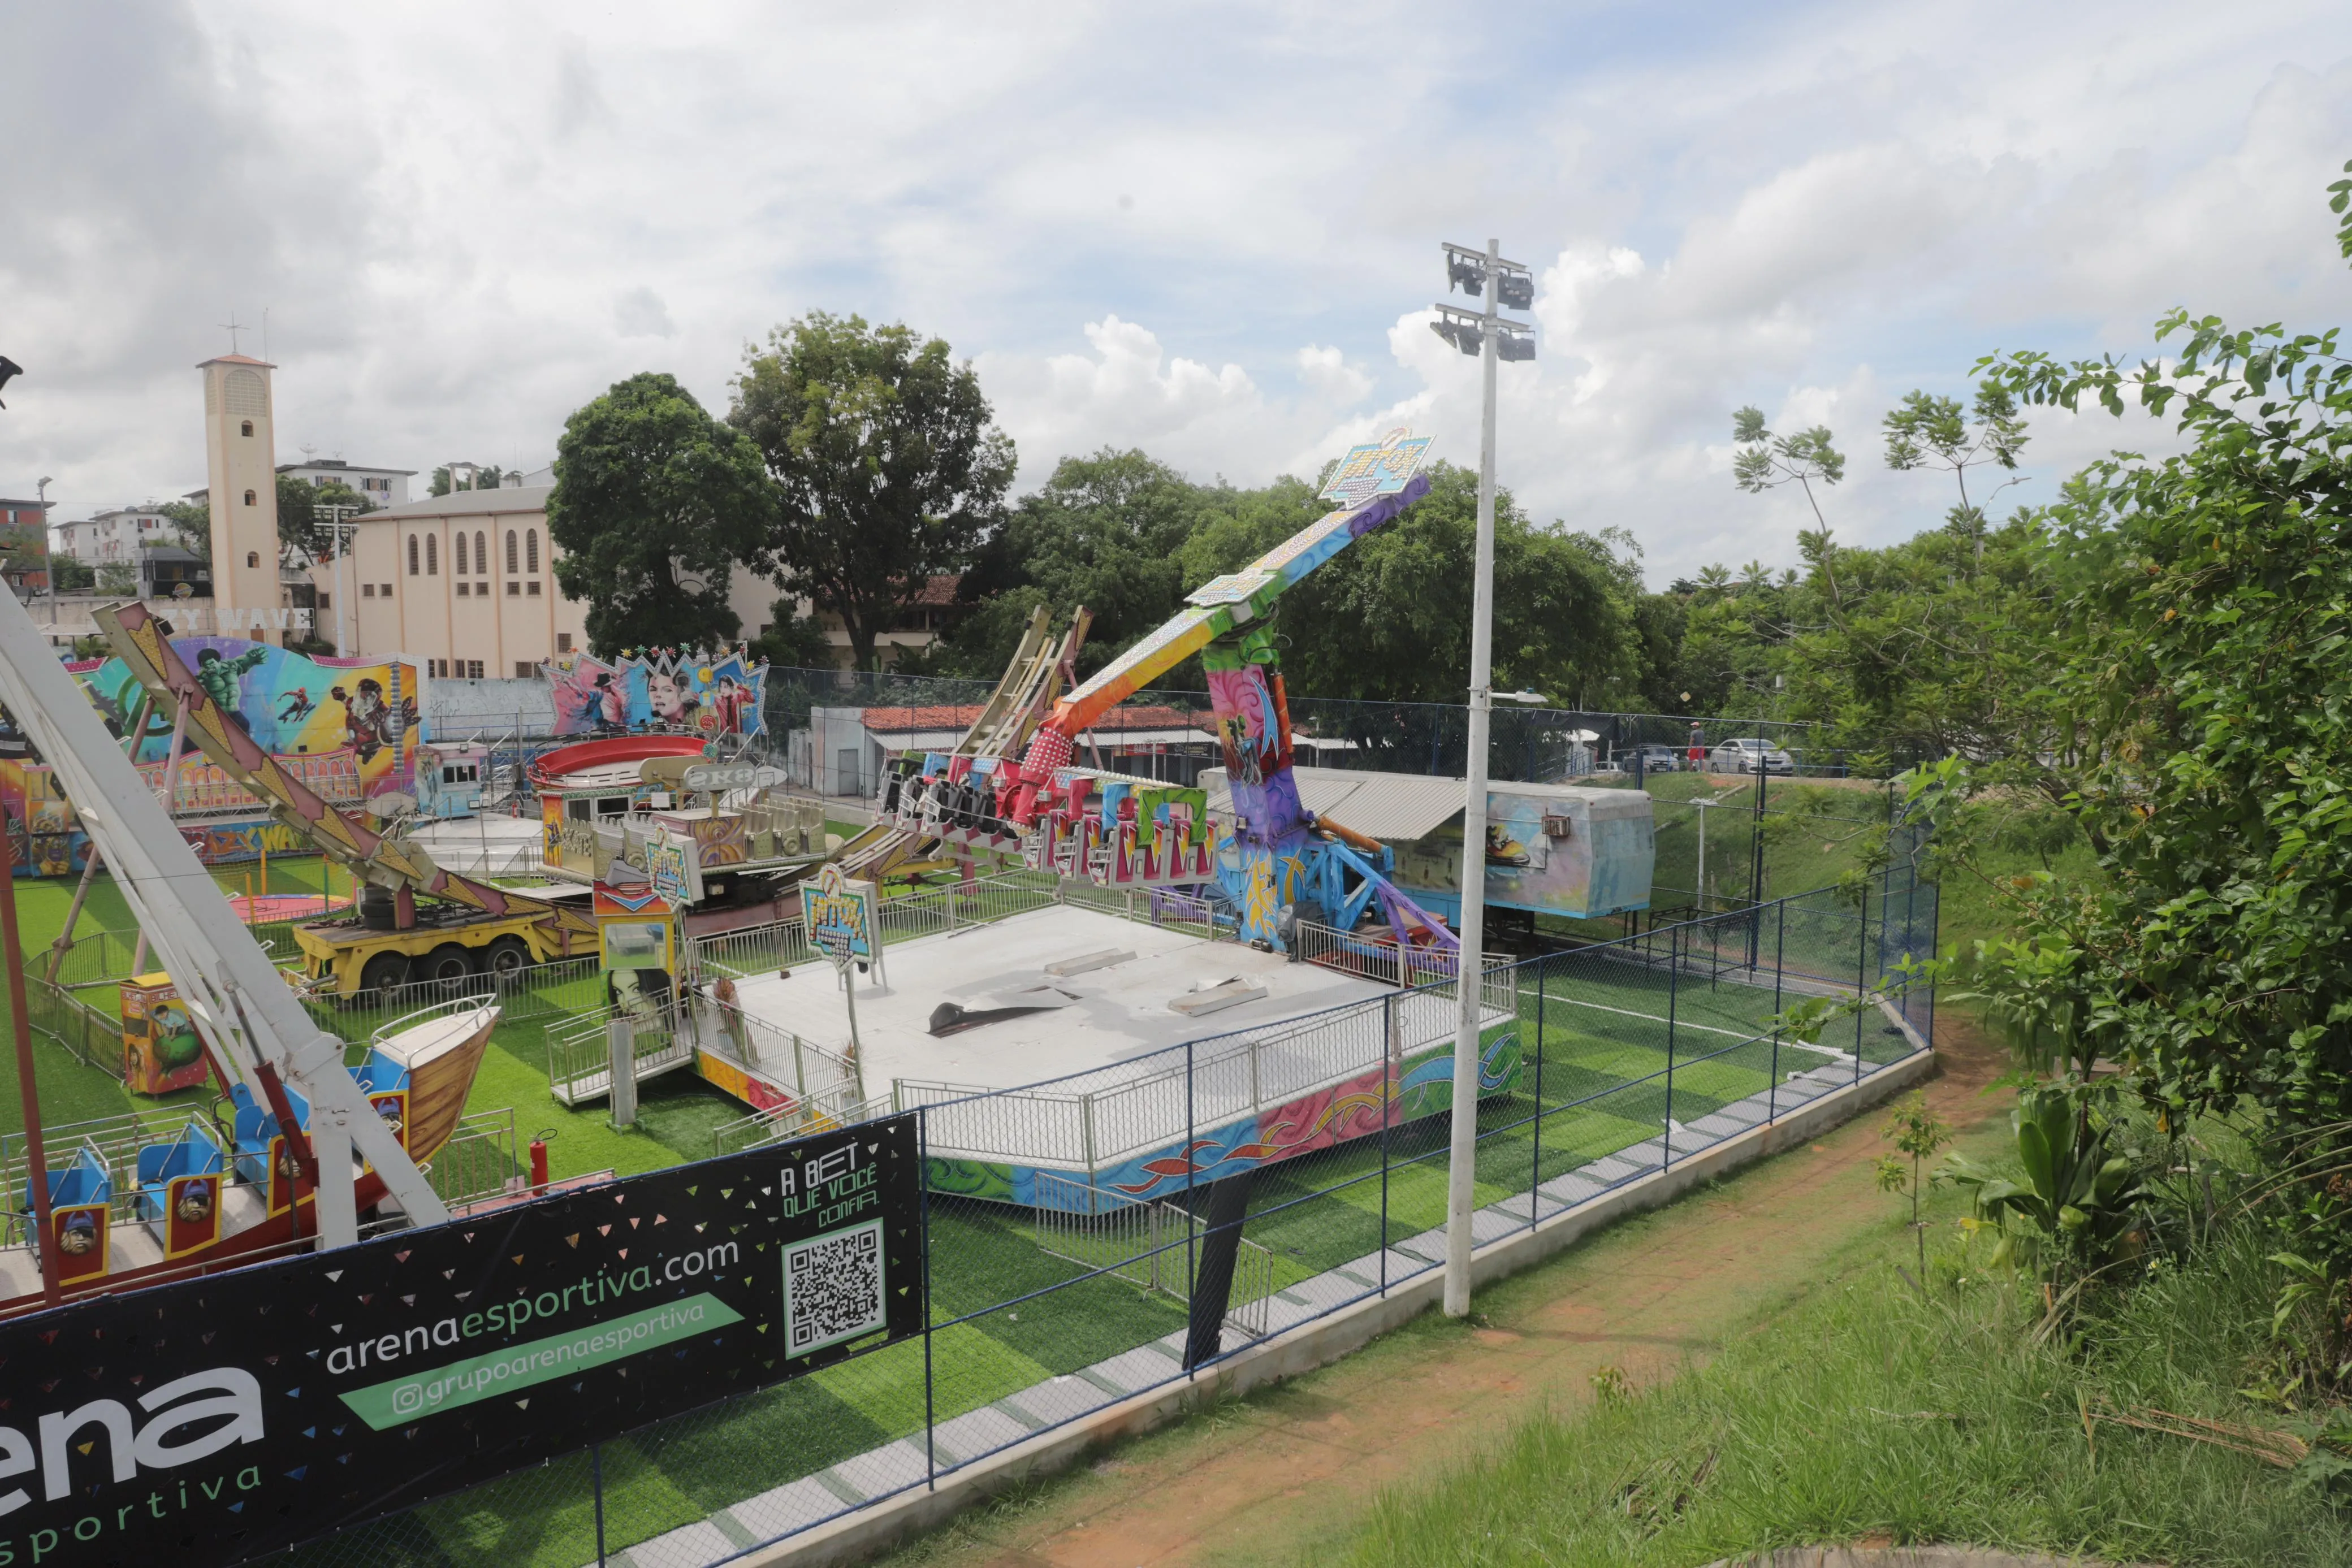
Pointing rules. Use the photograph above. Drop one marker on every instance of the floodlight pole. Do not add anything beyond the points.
(346, 533)
(1470, 975)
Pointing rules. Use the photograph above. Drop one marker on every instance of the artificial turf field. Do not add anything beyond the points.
(1603, 1086)
(1598, 1076)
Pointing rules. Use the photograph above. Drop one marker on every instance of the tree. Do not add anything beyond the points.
(2200, 645)
(1388, 619)
(297, 517)
(1926, 431)
(654, 502)
(888, 464)
(303, 513)
(1762, 461)
(193, 522)
(71, 576)
(118, 580)
(1105, 532)
(793, 641)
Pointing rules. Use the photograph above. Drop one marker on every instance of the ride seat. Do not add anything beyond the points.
(85, 1181)
(254, 1125)
(192, 1153)
(380, 1073)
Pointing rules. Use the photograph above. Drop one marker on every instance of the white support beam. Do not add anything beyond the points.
(236, 998)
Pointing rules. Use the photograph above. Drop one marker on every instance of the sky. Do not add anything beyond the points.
(1209, 231)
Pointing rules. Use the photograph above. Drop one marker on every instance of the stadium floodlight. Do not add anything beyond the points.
(1465, 336)
(1467, 276)
(1496, 338)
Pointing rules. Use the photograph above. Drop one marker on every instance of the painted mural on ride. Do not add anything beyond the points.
(346, 727)
(666, 689)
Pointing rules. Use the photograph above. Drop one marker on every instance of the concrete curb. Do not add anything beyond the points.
(869, 1531)
(1906, 1557)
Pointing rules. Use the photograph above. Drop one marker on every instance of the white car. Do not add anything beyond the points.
(1743, 756)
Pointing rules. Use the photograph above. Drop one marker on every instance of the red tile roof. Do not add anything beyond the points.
(939, 589)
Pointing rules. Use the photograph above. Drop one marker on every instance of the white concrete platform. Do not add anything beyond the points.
(1101, 1016)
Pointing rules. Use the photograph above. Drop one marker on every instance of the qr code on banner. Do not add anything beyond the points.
(833, 1289)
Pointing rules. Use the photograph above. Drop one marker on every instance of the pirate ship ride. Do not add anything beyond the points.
(304, 1148)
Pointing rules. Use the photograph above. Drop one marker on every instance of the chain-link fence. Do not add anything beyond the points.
(1080, 1251)
(1172, 734)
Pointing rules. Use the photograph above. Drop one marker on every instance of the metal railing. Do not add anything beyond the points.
(91, 1037)
(579, 1050)
(424, 1015)
(825, 1081)
(1374, 955)
(1153, 1246)
(478, 1161)
(814, 1116)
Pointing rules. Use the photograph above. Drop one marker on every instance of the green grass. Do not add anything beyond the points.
(1867, 1412)
(1598, 1031)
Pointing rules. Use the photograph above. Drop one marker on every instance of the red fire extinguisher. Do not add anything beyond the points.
(538, 1160)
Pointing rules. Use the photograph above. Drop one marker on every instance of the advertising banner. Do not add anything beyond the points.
(663, 690)
(218, 1420)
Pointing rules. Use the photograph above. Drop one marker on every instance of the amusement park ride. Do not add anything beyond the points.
(1013, 786)
(315, 1143)
(308, 1147)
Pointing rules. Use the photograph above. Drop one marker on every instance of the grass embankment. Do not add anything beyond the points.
(1868, 1413)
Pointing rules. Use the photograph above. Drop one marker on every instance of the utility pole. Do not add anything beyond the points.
(1493, 338)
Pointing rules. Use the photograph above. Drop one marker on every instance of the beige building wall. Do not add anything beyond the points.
(508, 621)
(241, 468)
(500, 621)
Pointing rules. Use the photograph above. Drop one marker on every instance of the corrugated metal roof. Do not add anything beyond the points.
(1400, 807)
(1396, 807)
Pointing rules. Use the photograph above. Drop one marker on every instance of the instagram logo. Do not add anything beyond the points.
(408, 1399)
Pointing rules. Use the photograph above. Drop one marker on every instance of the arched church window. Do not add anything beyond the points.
(530, 548)
(411, 555)
(431, 554)
(248, 498)
(512, 566)
(460, 544)
(253, 558)
(245, 428)
(482, 554)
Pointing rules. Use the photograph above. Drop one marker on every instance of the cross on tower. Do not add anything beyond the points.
(233, 328)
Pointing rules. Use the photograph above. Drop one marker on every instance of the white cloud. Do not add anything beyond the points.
(640, 313)
(1141, 229)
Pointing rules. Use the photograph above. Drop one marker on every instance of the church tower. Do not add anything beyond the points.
(241, 468)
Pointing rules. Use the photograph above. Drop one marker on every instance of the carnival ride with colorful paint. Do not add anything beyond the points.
(1051, 1022)
(303, 1145)
(463, 926)
(1282, 863)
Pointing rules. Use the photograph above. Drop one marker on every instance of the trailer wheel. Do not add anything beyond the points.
(449, 961)
(383, 972)
(507, 955)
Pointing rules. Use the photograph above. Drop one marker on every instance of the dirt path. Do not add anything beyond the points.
(1256, 1480)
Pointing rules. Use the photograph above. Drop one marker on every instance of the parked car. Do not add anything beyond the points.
(1655, 758)
(1741, 756)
